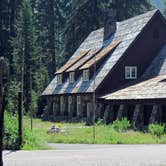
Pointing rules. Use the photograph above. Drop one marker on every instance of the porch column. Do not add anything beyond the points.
(63, 105)
(156, 114)
(71, 106)
(122, 111)
(108, 114)
(47, 109)
(79, 107)
(137, 115)
(100, 110)
(56, 106)
(90, 116)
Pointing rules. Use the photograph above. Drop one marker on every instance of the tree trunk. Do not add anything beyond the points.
(2, 109)
(20, 114)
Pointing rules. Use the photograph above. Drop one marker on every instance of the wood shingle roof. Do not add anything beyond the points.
(100, 55)
(153, 88)
(72, 61)
(127, 31)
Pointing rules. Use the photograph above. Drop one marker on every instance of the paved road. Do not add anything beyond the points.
(90, 155)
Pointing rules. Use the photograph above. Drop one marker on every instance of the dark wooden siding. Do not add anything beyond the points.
(141, 53)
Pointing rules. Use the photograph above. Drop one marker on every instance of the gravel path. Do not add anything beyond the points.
(90, 155)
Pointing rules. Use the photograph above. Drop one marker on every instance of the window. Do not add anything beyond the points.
(130, 72)
(86, 75)
(59, 79)
(72, 77)
(78, 99)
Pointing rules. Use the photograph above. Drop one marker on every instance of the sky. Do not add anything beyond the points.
(159, 4)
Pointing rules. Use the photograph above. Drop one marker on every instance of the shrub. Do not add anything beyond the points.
(10, 132)
(121, 125)
(31, 139)
(156, 129)
(100, 122)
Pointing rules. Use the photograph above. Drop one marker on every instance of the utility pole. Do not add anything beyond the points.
(94, 100)
(3, 104)
(31, 114)
(20, 115)
(20, 102)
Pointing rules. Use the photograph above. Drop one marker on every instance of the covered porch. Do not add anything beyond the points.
(142, 103)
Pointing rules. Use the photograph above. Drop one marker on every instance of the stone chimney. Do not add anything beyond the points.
(110, 20)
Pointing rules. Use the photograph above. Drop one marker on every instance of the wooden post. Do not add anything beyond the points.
(138, 112)
(90, 113)
(79, 107)
(108, 114)
(20, 115)
(3, 104)
(121, 111)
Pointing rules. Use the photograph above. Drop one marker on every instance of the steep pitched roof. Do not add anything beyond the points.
(158, 65)
(72, 61)
(127, 31)
(100, 55)
(153, 88)
(152, 85)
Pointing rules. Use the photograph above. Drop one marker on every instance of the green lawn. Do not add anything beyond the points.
(79, 133)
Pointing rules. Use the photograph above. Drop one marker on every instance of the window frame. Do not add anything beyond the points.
(59, 79)
(129, 72)
(86, 75)
(72, 77)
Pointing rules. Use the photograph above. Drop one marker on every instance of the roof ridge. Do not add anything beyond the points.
(137, 16)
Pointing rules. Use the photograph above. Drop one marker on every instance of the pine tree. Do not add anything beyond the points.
(90, 16)
(25, 48)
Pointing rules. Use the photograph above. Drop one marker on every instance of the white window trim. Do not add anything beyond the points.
(130, 69)
(59, 79)
(86, 75)
(71, 77)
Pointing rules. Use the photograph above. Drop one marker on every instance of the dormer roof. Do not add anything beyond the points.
(127, 31)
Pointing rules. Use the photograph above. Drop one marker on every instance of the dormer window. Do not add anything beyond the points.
(59, 79)
(86, 75)
(71, 77)
(130, 72)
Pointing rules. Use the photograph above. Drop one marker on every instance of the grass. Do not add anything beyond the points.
(79, 133)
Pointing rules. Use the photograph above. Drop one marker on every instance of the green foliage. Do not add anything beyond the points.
(121, 125)
(10, 132)
(13, 89)
(25, 45)
(31, 139)
(90, 16)
(100, 122)
(105, 134)
(156, 129)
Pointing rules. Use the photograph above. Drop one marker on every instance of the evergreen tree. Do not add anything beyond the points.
(90, 16)
(26, 53)
(164, 11)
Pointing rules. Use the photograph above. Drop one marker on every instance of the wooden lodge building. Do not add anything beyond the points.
(119, 70)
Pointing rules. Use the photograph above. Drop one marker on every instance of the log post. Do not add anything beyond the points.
(20, 115)
(71, 106)
(122, 111)
(63, 106)
(108, 114)
(137, 115)
(90, 113)
(3, 104)
(79, 107)
(56, 106)
(155, 110)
